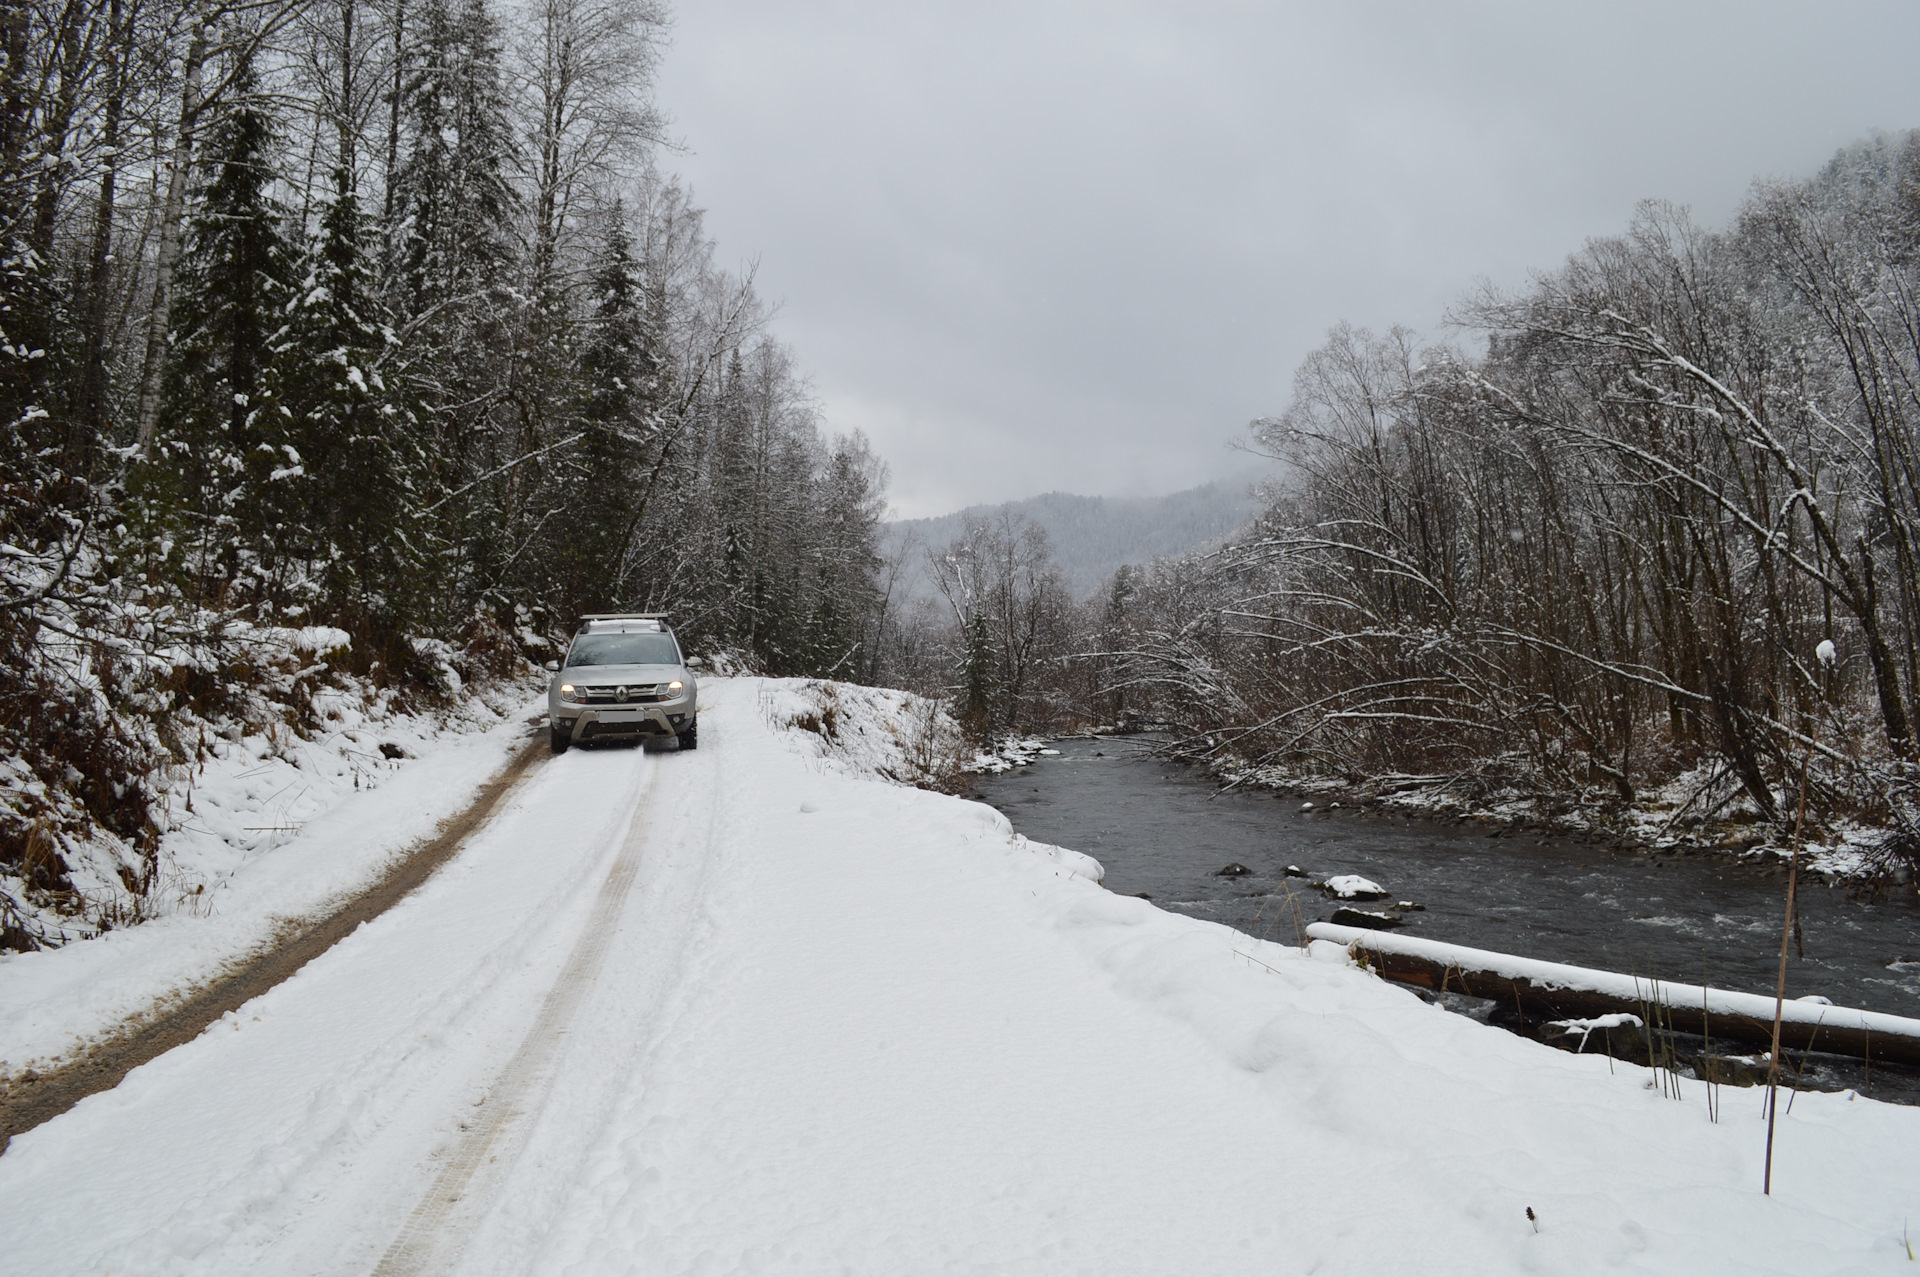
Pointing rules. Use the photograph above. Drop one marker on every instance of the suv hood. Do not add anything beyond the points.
(599, 674)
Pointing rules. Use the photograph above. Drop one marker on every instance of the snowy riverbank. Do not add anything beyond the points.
(831, 1023)
(1703, 810)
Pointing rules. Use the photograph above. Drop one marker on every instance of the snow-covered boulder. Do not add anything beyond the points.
(1354, 887)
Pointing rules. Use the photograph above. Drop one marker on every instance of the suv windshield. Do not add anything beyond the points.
(624, 649)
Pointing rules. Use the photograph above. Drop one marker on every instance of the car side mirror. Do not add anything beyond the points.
(696, 663)
(552, 667)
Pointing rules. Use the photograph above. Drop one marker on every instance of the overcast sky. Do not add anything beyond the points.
(1047, 245)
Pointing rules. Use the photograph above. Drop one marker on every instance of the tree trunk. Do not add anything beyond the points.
(1736, 742)
(90, 401)
(1885, 676)
(172, 225)
(390, 250)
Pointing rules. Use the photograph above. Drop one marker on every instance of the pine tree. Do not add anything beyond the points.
(452, 194)
(978, 690)
(733, 496)
(455, 203)
(848, 555)
(619, 418)
(224, 452)
(349, 430)
(622, 358)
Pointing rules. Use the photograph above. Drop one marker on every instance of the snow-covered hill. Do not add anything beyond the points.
(1091, 536)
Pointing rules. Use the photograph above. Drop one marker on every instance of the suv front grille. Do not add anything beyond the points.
(631, 694)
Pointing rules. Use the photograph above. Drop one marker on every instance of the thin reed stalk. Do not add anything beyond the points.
(1706, 1050)
(1780, 985)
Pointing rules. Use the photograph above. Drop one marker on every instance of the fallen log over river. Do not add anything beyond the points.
(1545, 991)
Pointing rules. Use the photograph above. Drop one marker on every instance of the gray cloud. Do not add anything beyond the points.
(1077, 246)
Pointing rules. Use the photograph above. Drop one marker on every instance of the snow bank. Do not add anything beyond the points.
(871, 732)
(1704, 807)
(1101, 1085)
(920, 1042)
(333, 812)
(144, 694)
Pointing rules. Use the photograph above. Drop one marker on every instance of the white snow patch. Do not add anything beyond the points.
(887, 1035)
(1006, 754)
(1559, 975)
(1585, 1028)
(266, 828)
(1354, 887)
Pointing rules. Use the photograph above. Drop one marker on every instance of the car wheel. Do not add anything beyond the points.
(690, 739)
(559, 738)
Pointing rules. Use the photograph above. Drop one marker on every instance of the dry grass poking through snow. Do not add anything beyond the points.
(872, 731)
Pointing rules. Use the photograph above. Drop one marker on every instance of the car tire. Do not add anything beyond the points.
(558, 738)
(690, 739)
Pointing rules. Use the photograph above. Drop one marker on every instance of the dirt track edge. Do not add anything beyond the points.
(28, 1100)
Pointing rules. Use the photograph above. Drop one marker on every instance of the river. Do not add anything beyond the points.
(1163, 830)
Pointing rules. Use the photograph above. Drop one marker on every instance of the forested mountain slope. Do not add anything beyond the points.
(1092, 536)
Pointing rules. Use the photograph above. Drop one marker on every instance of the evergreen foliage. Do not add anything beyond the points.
(375, 315)
(348, 434)
(223, 438)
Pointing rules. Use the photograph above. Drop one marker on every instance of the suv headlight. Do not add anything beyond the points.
(567, 693)
(675, 685)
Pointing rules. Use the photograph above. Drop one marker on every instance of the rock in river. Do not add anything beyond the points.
(1234, 870)
(1344, 917)
(1354, 887)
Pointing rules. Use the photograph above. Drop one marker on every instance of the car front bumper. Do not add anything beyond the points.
(601, 722)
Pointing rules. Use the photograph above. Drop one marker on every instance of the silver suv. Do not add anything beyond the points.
(624, 679)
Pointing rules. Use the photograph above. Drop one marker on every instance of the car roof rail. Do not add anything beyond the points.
(623, 623)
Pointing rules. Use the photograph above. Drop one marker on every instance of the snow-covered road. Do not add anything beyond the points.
(750, 1010)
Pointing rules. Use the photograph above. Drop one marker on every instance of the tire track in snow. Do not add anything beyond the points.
(436, 1232)
(26, 1102)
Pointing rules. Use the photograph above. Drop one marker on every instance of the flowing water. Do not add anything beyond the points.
(1162, 829)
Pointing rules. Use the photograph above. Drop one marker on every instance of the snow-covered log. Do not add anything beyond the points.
(1556, 991)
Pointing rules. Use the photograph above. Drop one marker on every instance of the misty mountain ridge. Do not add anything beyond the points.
(1090, 536)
